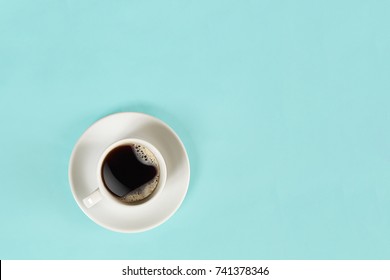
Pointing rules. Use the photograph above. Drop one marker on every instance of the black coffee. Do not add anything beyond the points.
(130, 172)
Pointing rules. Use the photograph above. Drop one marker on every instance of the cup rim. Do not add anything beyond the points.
(162, 167)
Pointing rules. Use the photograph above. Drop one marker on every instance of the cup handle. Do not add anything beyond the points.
(92, 199)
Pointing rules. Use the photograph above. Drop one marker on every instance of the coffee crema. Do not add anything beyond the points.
(130, 172)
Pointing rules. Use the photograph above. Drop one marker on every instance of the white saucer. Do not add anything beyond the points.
(84, 160)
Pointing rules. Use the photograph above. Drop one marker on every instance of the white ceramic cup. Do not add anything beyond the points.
(101, 191)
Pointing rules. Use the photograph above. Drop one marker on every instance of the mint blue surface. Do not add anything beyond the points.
(283, 106)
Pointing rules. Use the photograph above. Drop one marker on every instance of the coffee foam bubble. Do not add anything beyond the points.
(142, 192)
(145, 156)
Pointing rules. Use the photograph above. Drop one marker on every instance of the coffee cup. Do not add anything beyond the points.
(130, 172)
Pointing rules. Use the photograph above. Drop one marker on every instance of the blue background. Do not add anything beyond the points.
(282, 105)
